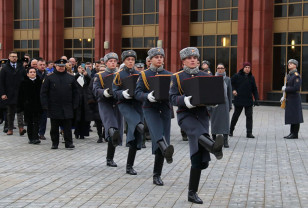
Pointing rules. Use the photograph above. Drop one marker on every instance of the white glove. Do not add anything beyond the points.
(187, 102)
(282, 99)
(283, 88)
(151, 97)
(126, 95)
(106, 94)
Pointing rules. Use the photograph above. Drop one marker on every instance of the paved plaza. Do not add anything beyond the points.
(268, 171)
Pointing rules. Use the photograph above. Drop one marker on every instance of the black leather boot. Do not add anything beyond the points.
(194, 179)
(100, 139)
(130, 161)
(184, 135)
(226, 144)
(167, 150)
(294, 131)
(115, 136)
(110, 155)
(140, 128)
(158, 166)
(249, 135)
(214, 147)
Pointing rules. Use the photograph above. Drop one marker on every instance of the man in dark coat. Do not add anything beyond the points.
(244, 87)
(59, 97)
(11, 75)
(293, 110)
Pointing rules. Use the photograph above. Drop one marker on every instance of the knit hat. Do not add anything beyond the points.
(246, 64)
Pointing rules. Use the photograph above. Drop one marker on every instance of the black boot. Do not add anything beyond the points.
(214, 137)
(115, 136)
(100, 139)
(140, 128)
(110, 155)
(194, 179)
(158, 166)
(214, 147)
(184, 135)
(249, 135)
(166, 149)
(294, 131)
(226, 145)
(130, 161)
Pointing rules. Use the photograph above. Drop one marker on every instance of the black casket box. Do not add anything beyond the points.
(205, 90)
(108, 83)
(160, 84)
(130, 84)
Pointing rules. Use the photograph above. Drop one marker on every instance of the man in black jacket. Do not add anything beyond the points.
(11, 76)
(59, 97)
(244, 87)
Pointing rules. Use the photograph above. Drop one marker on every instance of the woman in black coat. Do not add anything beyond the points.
(83, 116)
(29, 102)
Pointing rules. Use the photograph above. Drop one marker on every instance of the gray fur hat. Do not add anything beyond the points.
(293, 61)
(189, 51)
(156, 51)
(110, 55)
(128, 53)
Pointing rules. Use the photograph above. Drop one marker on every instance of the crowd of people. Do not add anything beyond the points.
(73, 95)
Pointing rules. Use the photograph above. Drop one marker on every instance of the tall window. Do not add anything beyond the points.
(290, 45)
(213, 10)
(81, 49)
(79, 14)
(26, 17)
(215, 46)
(140, 12)
(137, 14)
(26, 14)
(217, 49)
(290, 40)
(291, 8)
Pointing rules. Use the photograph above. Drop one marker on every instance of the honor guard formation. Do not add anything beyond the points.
(133, 102)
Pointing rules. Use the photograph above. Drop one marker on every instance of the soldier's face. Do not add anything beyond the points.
(205, 66)
(157, 61)
(60, 68)
(129, 62)
(291, 66)
(111, 63)
(191, 62)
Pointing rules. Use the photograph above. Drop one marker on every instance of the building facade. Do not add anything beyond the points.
(265, 32)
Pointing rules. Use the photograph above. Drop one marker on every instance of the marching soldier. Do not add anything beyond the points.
(130, 108)
(194, 120)
(293, 109)
(157, 114)
(59, 98)
(108, 108)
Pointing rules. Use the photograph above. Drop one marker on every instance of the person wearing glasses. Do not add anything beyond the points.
(11, 76)
(220, 118)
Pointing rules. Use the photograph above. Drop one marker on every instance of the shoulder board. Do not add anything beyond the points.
(178, 72)
(297, 74)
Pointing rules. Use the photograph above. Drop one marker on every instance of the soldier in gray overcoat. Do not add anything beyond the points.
(130, 108)
(108, 108)
(220, 118)
(293, 110)
(157, 113)
(194, 121)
